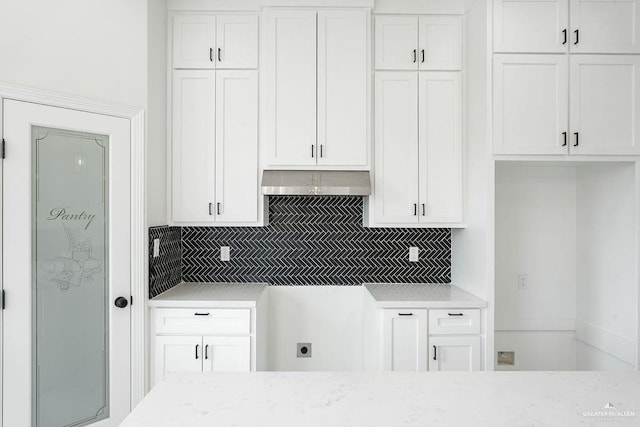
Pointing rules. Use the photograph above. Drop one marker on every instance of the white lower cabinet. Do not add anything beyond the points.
(226, 354)
(433, 340)
(177, 354)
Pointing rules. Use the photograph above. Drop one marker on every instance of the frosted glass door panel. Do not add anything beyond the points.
(70, 289)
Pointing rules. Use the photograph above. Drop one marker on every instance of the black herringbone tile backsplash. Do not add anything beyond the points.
(165, 271)
(315, 240)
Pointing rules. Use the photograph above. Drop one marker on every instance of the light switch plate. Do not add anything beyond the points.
(413, 254)
(156, 248)
(225, 253)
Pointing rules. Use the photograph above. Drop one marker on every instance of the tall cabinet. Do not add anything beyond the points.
(214, 119)
(418, 121)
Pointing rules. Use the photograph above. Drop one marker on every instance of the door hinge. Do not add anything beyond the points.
(3, 299)
(3, 148)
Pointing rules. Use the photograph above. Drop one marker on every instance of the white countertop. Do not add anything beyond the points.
(210, 294)
(422, 295)
(391, 399)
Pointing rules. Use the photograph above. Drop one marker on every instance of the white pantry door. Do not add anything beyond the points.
(66, 267)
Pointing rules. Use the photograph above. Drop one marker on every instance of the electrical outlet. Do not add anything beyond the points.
(225, 253)
(523, 281)
(156, 248)
(303, 349)
(413, 254)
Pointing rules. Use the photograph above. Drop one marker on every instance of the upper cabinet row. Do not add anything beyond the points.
(203, 41)
(558, 26)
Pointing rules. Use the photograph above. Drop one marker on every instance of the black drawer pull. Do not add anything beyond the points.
(200, 314)
(434, 353)
(455, 314)
(405, 314)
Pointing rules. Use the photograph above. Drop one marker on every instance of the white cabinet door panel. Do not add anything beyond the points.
(237, 41)
(454, 354)
(291, 88)
(342, 88)
(404, 340)
(440, 146)
(605, 26)
(530, 104)
(396, 141)
(177, 354)
(236, 146)
(225, 354)
(396, 42)
(440, 46)
(531, 26)
(193, 142)
(605, 104)
(194, 41)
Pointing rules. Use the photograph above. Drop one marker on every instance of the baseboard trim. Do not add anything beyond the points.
(614, 344)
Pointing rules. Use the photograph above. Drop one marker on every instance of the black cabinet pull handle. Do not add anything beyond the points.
(422, 53)
(312, 153)
(424, 210)
(415, 55)
(206, 352)
(211, 54)
(200, 314)
(564, 136)
(219, 57)
(415, 209)
(455, 314)
(210, 208)
(577, 135)
(197, 345)
(405, 314)
(321, 145)
(564, 34)
(434, 353)
(577, 33)
(218, 208)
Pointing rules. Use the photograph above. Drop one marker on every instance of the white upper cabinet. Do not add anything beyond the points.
(440, 146)
(237, 41)
(342, 88)
(291, 87)
(236, 159)
(203, 41)
(418, 43)
(530, 104)
(578, 26)
(192, 145)
(396, 147)
(610, 26)
(531, 26)
(317, 88)
(605, 104)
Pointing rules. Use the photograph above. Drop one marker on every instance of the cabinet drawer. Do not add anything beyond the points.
(454, 321)
(202, 321)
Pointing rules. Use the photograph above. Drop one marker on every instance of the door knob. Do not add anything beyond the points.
(121, 302)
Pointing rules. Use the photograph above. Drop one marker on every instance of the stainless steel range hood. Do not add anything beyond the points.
(315, 183)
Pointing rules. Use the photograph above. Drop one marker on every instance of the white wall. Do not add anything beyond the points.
(157, 114)
(607, 291)
(329, 317)
(90, 48)
(538, 350)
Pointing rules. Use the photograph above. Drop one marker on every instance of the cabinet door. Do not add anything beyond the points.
(236, 146)
(291, 88)
(227, 354)
(531, 26)
(396, 145)
(454, 353)
(342, 88)
(192, 142)
(530, 104)
(440, 146)
(396, 42)
(194, 41)
(605, 104)
(440, 46)
(237, 41)
(404, 340)
(177, 354)
(605, 26)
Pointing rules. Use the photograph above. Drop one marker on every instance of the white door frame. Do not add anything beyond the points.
(138, 212)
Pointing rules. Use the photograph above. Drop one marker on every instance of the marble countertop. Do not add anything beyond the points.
(422, 295)
(391, 399)
(213, 294)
